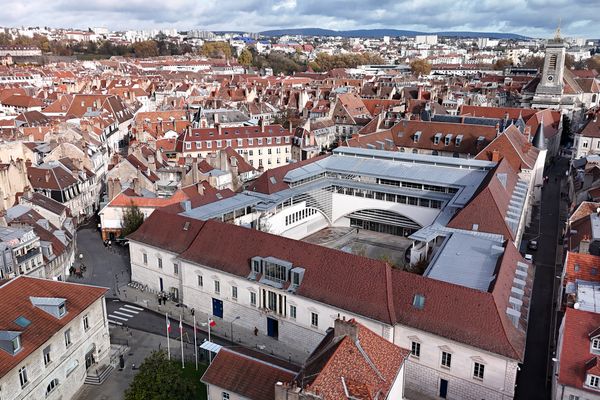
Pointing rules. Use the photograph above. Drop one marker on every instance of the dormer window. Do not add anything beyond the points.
(596, 345)
(52, 305)
(62, 309)
(593, 381)
(447, 140)
(417, 136)
(458, 140)
(10, 341)
(437, 138)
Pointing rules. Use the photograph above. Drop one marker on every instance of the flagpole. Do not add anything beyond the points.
(195, 343)
(181, 334)
(209, 352)
(168, 337)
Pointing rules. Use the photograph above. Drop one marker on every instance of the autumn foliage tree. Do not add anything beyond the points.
(147, 48)
(420, 67)
(245, 58)
(216, 50)
(327, 62)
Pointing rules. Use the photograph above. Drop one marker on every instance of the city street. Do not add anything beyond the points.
(533, 381)
(104, 267)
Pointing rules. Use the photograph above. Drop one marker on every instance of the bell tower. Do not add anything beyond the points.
(550, 89)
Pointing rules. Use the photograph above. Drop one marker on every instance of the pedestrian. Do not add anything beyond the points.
(105, 243)
(255, 331)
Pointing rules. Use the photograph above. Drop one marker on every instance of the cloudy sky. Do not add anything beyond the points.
(529, 17)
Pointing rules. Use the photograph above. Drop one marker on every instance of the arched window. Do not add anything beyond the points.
(51, 386)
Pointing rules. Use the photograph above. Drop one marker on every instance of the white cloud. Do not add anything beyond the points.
(527, 17)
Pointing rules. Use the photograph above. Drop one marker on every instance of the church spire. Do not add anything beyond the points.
(557, 32)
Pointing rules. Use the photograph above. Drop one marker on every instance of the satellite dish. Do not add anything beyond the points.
(576, 306)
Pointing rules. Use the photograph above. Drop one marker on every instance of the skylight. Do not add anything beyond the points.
(22, 322)
(419, 301)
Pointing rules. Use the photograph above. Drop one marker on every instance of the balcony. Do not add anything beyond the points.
(30, 254)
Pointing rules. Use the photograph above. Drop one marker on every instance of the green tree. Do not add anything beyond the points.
(133, 218)
(160, 379)
(420, 67)
(593, 63)
(245, 58)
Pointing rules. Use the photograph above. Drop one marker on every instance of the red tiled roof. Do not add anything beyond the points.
(15, 300)
(359, 285)
(575, 350)
(249, 377)
(489, 206)
(368, 371)
(582, 266)
(513, 146)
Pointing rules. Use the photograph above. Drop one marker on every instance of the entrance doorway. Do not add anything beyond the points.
(89, 358)
(272, 327)
(443, 388)
(217, 308)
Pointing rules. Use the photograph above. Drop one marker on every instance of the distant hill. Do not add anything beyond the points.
(385, 32)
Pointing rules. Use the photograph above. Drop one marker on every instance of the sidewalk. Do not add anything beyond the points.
(139, 346)
(223, 329)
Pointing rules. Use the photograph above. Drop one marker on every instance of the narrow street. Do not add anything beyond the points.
(533, 381)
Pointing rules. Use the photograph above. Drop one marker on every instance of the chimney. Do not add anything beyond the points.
(200, 188)
(3, 222)
(151, 163)
(216, 117)
(219, 129)
(584, 246)
(47, 175)
(343, 327)
(528, 133)
(261, 122)
(495, 156)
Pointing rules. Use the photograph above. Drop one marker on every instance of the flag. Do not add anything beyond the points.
(168, 323)
(180, 327)
(211, 322)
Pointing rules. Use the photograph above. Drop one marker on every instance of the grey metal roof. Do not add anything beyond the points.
(467, 260)
(221, 207)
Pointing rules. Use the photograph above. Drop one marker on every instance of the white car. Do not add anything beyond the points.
(529, 257)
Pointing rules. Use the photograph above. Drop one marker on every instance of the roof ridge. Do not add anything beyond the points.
(258, 360)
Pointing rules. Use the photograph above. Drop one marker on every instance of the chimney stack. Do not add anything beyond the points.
(343, 327)
(495, 156)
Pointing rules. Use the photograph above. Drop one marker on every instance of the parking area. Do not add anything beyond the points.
(375, 245)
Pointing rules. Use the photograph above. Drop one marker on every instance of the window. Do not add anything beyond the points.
(176, 269)
(217, 287)
(415, 349)
(159, 262)
(200, 282)
(51, 386)
(584, 144)
(225, 396)
(188, 145)
(594, 381)
(86, 323)
(272, 301)
(478, 370)
(68, 337)
(16, 344)
(208, 144)
(596, 345)
(234, 292)
(446, 359)
(23, 376)
(573, 397)
(293, 312)
(145, 258)
(419, 301)
(47, 358)
(62, 309)
(253, 299)
(314, 319)
(218, 143)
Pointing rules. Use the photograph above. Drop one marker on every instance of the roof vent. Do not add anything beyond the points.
(186, 226)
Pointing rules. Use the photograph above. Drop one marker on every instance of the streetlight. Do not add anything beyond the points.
(231, 330)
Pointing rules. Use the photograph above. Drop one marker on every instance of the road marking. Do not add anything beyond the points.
(117, 317)
(128, 310)
(115, 322)
(133, 307)
(123, 314)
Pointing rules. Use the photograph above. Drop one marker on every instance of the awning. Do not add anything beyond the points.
(210, 346)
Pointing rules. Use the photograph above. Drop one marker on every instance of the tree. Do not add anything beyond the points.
(147, 48)
(133, 218)
(593, 63)
(245, 58)
(420, 67)
(216, 50)
(502, 63)
(533, 62)
(160, 379)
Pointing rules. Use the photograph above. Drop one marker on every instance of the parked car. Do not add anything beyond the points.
(532, 245)
(529, 257)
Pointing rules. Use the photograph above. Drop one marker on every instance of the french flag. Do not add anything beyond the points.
(168, 323)
(211, 322)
